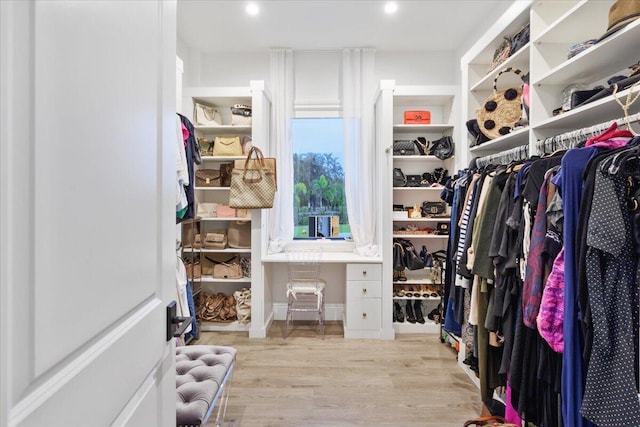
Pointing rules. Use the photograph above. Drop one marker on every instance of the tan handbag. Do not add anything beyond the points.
(239, 234)
(266, 162)
(205, 115)
(227, 271)
(194, 270)
(227, 146)
(502, 110)
(210, 260)
(208, 178)
(252, 188)
(215, 240)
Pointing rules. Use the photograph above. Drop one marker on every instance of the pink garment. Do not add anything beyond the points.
(185, 134)
(551, 316)
(611, 138)
(510, 414)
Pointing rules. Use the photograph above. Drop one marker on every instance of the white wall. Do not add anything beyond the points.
(418, 68)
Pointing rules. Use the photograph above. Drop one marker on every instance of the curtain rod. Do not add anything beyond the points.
(571, 139)
(504, 157)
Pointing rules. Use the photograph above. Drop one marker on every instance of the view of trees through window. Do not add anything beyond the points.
(318, 173)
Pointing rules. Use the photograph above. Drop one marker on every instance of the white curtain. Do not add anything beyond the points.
(282, 87)
(358, 88)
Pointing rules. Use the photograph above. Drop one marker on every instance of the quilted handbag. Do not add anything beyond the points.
(205, 115)
(227, 146)
(207, 178)
(241, 115)
(433, 208)
(502, 110)
(243, 304)
(252, 187)
(404, 148)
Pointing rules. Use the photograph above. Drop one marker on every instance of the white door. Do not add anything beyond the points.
(87, 194)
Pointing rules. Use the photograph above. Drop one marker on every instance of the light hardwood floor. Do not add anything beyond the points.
(306, 381)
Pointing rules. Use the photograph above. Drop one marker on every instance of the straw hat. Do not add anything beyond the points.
(622, 12)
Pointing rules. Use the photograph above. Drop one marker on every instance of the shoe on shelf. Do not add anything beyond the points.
(402, 276)
(398, 315)
(411, 318)
(409, 293)
(417, 309)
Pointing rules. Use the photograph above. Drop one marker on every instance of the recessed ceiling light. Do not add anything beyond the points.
(252, 9)
(390, 7)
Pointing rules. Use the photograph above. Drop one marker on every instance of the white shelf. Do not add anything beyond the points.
(223, 158)
(215, 251)
(599, 61)
(519, 60)
(417, 298)
(585, 20)
(422, 236)
(210, 279)
(429, 327)
(430, 128)
(595, 112)
(511, 140)
(225, 327)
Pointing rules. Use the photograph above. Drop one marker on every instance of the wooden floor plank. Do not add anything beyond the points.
(304, 380)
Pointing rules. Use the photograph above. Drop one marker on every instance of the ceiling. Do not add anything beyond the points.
(429, 25)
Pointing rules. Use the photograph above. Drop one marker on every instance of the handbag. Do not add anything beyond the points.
(413, 180)
(417, 117)
(205, 115)
(426, 257)
(215, 240)
(224, 211)
(245, 264)
(206, 210)
(442, 148)
(194, 270)
(433, 208)
(241, 115)
(399, 180)
(266, 162)
(501, 54)
(404, 147)
(239, 234)
(226, 270)
(252, 188)
(207, 178)
(502, 110)
(206, 146)
(226, 146)
(520, 39)
(225, 174)
(243, 304)
(210, 260)
(412, 260)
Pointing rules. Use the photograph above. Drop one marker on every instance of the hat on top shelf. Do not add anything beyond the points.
(622, 13)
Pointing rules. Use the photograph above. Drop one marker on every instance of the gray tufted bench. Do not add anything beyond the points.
(203, 374)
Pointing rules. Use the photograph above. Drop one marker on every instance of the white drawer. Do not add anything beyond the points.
(364, 272)
(364, 314)
(364, 289)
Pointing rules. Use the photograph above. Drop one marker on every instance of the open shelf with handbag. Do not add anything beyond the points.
(227, 241)
(420, 156)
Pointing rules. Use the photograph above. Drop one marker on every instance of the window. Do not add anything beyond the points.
(318, 173)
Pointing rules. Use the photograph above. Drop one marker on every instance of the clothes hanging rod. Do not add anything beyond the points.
(504, 157)
(570, 139)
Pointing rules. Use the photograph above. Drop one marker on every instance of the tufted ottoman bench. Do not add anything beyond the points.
(203, 374)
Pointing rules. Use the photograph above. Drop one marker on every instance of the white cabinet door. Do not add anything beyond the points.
(87, 228)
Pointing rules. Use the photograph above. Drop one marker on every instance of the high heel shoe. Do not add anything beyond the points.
(411, 318)
(417, 308)
(398, 315)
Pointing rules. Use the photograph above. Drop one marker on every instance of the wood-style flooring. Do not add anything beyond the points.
(413, 380)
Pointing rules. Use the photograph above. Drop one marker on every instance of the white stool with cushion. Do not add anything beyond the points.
(305, 288)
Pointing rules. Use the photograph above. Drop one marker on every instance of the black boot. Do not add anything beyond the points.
(411, 318)
(417, 306)
(398, 315)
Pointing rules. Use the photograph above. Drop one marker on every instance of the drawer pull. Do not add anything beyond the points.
(364, 290)
(364, 272)
(364, 315)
